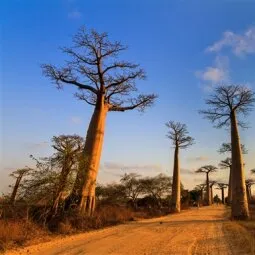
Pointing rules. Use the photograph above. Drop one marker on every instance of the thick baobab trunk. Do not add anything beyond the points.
(176, 186)
(15, 189)
(230, 186)
(239, 208)
(91, 156)
(202, 195)
(211, 189)
(208, 194)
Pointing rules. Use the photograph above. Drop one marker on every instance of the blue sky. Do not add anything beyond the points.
(186, 48)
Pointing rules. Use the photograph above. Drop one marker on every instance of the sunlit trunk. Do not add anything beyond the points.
(222, 196)
(85, 184)
(211, 189)
(230, 186)
(208, 194)
(176, 186)
(239, 208)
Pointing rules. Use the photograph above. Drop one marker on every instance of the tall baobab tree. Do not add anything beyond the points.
(226, 104)
(222, 187)
(18, 175)
(212, 183)
(248, 184)
(227, 164)
(106, 83)
(69, 148)
(178, 134)
(207, 170)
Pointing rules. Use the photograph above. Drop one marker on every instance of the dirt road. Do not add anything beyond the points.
(197, 231)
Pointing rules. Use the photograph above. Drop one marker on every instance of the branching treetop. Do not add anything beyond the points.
(20, 172)
(249, 182)
(212, 183)
(222, 185)
(95, 69)
(206, 169)
(178, 133)
(226, 147)
(226, 163)
(225, 101)
(201, 186)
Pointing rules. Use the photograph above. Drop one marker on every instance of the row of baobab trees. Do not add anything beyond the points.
(108, 84)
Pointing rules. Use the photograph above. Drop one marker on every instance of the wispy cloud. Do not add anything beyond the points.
(185, 171)
(215, 74)
(132, 167)
(39, 145)
(199, 158)
(74, 14)
(240, 44)
(76, 120)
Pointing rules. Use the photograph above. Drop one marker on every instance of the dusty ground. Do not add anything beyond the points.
(197, 231)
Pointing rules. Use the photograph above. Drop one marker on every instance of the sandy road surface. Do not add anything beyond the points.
(197, 231)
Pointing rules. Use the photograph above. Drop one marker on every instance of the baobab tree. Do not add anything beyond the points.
(226, 105)
(248, 184)
(212, 183)
(69, 148)
(178, 134)
(222, 187)
(227, 164)
(106, 83)
(207, 170)
(201, 188)
(18, 175)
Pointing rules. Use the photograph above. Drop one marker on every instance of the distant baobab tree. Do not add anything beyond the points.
(201, 188)
(212, 183)
(106, 83)
(207, 170)
(18, 175)
(178, 134)
(248, 184)
(226, 104)
(227, 164)
(222, 186)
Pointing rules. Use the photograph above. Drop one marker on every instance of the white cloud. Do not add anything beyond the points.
(215, 74)
(240, 44)
(74, 14)
(76, 120)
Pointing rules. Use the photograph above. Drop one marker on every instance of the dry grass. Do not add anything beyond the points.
(17, 232)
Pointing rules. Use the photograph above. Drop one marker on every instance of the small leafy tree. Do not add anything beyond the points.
(132, 187)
